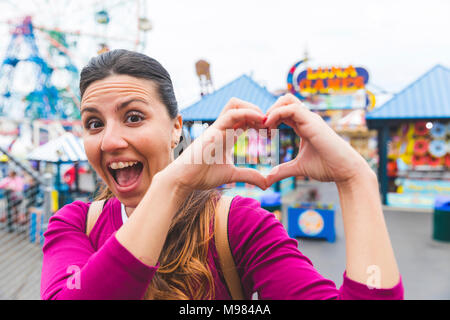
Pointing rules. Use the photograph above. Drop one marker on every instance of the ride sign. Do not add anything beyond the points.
(330, 87)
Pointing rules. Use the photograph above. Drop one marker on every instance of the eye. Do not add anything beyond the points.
(92, 124)
(134, 117)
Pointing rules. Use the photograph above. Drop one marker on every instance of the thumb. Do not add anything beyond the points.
(249, 175)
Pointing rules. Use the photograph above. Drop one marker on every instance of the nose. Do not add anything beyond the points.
(112, 139)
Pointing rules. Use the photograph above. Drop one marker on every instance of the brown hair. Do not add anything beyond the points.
(184, 272)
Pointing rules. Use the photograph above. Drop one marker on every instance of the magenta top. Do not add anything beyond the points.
(267, 259)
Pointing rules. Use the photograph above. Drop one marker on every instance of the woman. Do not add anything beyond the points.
(15, 185)
(165, 250)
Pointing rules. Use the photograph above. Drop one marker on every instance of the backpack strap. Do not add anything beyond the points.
(95, 209)
(223, 249)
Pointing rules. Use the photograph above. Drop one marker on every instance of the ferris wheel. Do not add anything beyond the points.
(50, 40)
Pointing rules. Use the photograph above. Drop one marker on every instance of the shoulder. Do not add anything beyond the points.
(76, 212)
(244, 209)
(71, 215)
(247, 219)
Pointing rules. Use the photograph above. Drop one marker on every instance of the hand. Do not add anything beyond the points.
(208, 161)
(323, 155)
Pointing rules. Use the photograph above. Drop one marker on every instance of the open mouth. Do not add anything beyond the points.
(125, 174)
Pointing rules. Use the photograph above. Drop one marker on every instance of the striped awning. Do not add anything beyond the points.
(66, 148)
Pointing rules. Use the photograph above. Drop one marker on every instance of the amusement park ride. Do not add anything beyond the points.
(40, 67)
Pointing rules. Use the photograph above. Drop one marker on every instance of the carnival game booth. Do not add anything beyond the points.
(66, 155)
(251, 149)
(414, 142)
(340, 95)
(353, 128)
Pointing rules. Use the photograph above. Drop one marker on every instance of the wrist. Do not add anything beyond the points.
(169, 178)
(364, 178)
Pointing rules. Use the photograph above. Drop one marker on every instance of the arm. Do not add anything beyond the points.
(144, 234)
(72, 269)
(269, 262)
(5, 182)
(368, 246)
(324, 156)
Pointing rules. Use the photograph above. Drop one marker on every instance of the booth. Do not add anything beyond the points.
(340, 95)
(413, 137)
(352, 128)
(311, 220)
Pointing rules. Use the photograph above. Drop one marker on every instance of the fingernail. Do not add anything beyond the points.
(264, 120)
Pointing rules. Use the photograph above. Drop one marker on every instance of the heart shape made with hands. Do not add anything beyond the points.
(214, 148)
(216, 144)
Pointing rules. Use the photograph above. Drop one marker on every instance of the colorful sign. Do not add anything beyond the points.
(411, 200)
(417, 193)
(310, 222)
(331, 87)
(425, 187)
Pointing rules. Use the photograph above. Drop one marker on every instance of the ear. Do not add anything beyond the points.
(176, 130)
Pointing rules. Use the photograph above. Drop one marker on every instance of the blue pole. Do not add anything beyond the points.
(383, 137)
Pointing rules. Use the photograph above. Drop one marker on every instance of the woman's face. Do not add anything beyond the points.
(128, 134)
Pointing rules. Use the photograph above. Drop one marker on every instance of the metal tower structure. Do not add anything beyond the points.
(44, 100)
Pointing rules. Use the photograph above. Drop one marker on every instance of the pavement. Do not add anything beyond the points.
(20, 267)
(424, 263)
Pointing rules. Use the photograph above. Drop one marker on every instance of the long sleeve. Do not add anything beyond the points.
(5, 182)
(269, 262)
(72, 269)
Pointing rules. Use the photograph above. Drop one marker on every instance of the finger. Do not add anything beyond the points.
(295, 113)
(283, 171)
(277, 116)
(251, 176)
(283, 101)
(240, 118)
(235, 103)
(249, 124)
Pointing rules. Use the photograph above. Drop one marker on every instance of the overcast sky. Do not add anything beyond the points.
(395, 40)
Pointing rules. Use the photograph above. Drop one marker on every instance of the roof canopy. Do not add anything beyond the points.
(66, 148)
(426, 98)
(244, 88)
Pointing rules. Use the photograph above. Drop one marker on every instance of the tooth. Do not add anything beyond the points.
(121, 165)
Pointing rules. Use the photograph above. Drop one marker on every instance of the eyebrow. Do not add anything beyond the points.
(118, 108)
